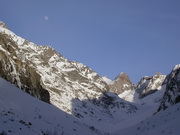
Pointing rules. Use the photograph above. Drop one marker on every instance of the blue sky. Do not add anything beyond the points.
(139, 37)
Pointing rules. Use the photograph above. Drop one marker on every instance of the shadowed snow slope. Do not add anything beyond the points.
(163, 123)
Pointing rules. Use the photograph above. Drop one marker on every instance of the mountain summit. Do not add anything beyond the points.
(121, 84)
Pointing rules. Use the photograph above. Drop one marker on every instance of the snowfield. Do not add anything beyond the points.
(163, 123)
(22, 114)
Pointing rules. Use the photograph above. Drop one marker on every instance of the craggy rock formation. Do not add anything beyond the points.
(149, 85)
(121, 84)
(172, 94)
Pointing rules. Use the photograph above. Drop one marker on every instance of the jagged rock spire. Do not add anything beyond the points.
(121, 83)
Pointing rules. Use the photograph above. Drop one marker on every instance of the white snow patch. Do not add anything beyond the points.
(14, 37)
(107, 80)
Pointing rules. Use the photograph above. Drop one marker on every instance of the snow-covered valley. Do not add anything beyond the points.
(21, 113)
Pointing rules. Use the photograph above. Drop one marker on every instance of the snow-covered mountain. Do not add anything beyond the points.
(150, 84)
(86, 102)
(47, 75)
(121, 84)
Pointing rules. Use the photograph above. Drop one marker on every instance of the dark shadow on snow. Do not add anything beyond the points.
(103, 106)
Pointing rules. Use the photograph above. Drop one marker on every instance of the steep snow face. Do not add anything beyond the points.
(121, 84)
(22, 114)
(172, 94)
(149, 85)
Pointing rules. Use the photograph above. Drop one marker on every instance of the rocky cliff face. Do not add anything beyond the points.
(45, 74)
(18, 71)
(121, 84)
(150, 84)
(172, 94)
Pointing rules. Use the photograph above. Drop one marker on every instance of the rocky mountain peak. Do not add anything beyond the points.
(150, 84)
(3, 25)
(121, 84)
(122, 76)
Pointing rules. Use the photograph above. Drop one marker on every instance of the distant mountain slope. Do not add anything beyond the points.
(121, 84)
(149, 90)
(150, 84)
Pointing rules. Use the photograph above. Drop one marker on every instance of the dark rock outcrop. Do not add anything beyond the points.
(18, 72)
(172, 94)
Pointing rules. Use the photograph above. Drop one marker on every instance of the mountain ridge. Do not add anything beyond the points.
(47, 75)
